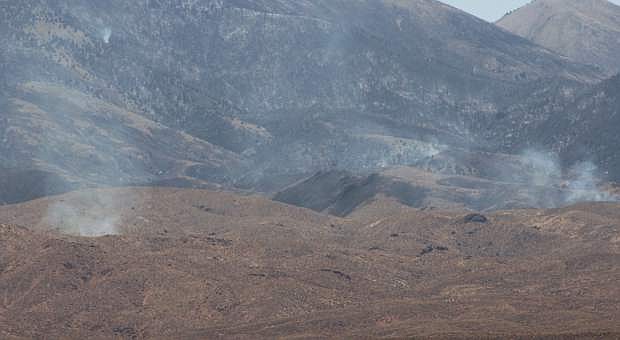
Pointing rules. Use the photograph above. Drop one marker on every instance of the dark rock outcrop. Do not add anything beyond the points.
(339, 192)
(475, 218)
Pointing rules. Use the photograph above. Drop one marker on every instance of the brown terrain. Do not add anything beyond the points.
(195, 264)
(350, 168)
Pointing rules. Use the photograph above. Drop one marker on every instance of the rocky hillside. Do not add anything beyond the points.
(587, 31)
(195, 91)
(587, 127)
(575, 124)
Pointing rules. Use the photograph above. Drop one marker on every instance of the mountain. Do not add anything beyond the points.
(587, 31)
(586, 127)
(88, 141)
(576, 125)
(252, 94)
(196, 264)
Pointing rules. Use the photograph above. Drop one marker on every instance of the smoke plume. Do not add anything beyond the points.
(90, 213)
(581, 182)
(106, 34)
(585, 181)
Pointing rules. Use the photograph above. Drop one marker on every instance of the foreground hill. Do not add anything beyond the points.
(200, 264)
(583, 30)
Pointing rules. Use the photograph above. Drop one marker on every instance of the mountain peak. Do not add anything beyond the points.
(570, 4)
(586, 31)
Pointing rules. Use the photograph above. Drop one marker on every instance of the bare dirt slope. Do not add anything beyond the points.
(201, 264)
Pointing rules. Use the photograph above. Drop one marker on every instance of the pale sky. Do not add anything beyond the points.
(491, 10)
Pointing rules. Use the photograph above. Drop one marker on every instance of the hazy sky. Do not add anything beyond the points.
(491, 10)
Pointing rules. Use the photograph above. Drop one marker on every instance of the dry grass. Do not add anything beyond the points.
(201, 264)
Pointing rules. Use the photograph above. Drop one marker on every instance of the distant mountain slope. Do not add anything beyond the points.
(290, 87)
(577, 124)
(587, 128)
(88, 141)
(587, 31)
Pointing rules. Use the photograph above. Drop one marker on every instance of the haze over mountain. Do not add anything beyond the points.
(587, 31)
(253, 94)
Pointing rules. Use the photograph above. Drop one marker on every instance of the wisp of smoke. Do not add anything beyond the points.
(86, 213)
(580, 183)
(542, 168)
(106, 34)
(585, 183)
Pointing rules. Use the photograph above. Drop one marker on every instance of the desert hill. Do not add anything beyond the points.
(201, 264)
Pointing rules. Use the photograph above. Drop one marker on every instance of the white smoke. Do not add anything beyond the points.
(581, 182)
(89, 213)
(106, 34)
(584, 185)
(542, 168)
